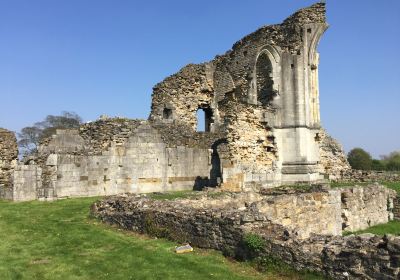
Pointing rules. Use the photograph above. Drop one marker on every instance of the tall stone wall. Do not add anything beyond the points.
(262, 95)
(8, 161)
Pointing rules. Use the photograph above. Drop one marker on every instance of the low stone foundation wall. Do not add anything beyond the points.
(363, 207)
(396, 208)
(222, 222)
(370, 176)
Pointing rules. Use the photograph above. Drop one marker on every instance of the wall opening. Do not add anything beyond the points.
(216, 170)
(167, 113)
(265, 90)
(204, 119)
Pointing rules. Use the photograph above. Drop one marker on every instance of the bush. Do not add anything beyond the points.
(359, 159)
(378, 165)
(254, 242)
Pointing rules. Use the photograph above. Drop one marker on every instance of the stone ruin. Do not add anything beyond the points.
(300, 227)
(262, 131)
(262, 127)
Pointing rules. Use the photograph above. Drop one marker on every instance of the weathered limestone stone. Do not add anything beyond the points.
(300, 227)
(262, 95)
(363, 207)
(8, 161)
(333, 161)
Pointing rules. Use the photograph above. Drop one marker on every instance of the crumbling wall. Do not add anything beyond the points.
(306, 213)
(363, 207)
(219, 224)
(352, 175)
(8, 161)
(396, 208)
(248, 92)
(333, 161)
(183, 94)
(250, 142)
(117, 156)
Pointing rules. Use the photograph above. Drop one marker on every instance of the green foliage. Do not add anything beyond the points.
(58, 241)
(153, 229)
(378, 165)
(30, 136)
(359, 159)
(392, 161)
(254, 242)
(393, 227)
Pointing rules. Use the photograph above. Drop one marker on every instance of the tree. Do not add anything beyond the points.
(378, 165)
(359, 159)
(30, 136)
(392, 161)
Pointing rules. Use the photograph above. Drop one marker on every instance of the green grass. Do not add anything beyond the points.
(183, 194)
(59, 241)
(173, 195)
(392, 185)
(393, 227)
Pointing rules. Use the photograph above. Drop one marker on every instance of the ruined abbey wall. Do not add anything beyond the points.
(261, 105)
(263, 96)
(300, 227)
(115, 156)
(8, 161)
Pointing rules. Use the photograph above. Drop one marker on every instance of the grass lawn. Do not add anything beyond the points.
(57, 240)
(391, 185)
(393, 227)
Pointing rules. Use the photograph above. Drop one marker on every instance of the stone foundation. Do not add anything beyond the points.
(301, 228)
(369, 176)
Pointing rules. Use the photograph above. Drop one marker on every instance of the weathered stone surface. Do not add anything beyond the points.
(8, 161)
(363, 207)
(261, 104)
(333, 160)
(369, 176)
(221, 222)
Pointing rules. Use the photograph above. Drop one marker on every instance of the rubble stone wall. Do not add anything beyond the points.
(370, 176)
(306, 213)
(363, 207)
(396, 208)
(222, 223)
(8, 161)
(333, 161)
(262, 95)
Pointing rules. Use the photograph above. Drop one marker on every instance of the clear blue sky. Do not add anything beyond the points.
(103, 57)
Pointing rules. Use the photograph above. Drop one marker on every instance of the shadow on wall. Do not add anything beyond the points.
(215, 173)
